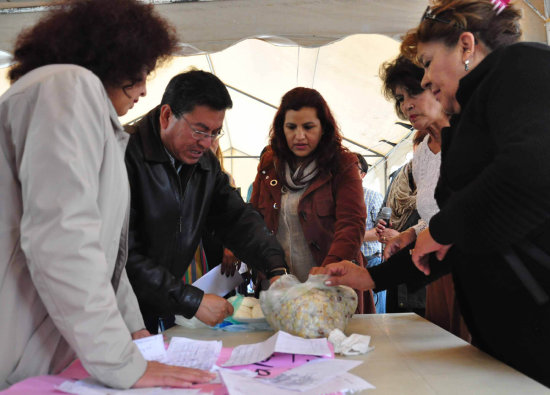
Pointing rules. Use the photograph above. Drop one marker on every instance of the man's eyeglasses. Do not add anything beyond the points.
(198, 135)
(429, 14)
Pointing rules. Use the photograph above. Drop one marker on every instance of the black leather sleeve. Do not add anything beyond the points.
(400, 269)
(155, 287)
(242, 229)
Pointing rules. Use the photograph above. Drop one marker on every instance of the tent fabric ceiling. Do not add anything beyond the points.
(212, 26)
(316, 45)
(335, 46)
(309, 23)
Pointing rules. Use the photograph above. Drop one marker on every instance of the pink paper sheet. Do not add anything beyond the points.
(274, 365)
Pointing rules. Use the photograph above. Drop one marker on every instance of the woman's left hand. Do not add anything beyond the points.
(140, 334)
(425, 244)
(346, 273)
(230, 263)
(396, 244)
(385, 235)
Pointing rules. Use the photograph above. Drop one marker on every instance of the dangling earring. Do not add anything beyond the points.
(467, 62)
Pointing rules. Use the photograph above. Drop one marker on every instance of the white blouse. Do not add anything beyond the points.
(426, 166)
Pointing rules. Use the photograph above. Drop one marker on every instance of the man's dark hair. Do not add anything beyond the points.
(363, 165)
(196, 88)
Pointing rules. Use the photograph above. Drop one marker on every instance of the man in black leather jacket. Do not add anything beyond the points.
(178, 191)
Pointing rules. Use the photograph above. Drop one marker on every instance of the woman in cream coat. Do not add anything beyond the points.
(63, 287)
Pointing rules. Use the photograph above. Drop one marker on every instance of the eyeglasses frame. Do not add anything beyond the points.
(198, 135)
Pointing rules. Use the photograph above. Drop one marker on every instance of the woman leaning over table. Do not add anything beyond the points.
(401, 79)
(401, 83)
(308, 189)
(64, 291)
(494, 224)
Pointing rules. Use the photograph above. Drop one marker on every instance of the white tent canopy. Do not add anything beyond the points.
(211, 26)
(258, 74)
(333, 46)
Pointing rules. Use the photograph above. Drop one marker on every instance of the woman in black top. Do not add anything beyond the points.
(494, 188)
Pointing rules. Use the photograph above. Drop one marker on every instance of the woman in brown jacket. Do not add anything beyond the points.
(308, 187)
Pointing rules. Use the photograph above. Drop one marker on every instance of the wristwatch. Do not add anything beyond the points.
(280, 271)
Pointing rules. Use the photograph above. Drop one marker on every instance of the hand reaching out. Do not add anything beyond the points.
(213, 309)
(425, 244)
(160, 375)
(384, 233)
(140, 334)
(230, 263)
(346, 273)
(399, 242)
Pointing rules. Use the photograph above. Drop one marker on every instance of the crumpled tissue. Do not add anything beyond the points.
(349, 345)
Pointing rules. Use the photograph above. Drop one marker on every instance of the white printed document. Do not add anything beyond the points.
(279, 342)
(214, 282)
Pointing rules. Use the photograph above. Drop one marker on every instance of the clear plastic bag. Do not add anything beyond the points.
(309, 309)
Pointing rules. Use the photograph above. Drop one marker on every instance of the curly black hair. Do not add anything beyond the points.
(117, 40)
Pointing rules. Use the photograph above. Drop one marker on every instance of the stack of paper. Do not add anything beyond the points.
(324, 376)
(320, 376)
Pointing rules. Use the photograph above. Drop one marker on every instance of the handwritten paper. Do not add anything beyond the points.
(250, 353)
(272, 365)
(298, 345)
(312, 374)
(152, 348)
(347, 382)
(185, 352)
(193, 353)
(240, 385)
(280, 342)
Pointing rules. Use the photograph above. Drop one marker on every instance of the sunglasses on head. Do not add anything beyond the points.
(430, 15)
